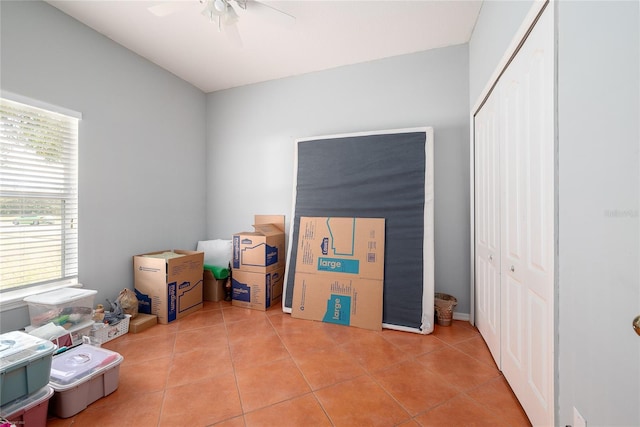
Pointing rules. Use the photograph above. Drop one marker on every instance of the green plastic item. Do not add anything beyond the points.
(218, 272)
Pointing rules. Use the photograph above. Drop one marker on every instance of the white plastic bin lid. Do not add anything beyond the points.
(18, 348)
(60, 296)
(26, 403)
(79, 364)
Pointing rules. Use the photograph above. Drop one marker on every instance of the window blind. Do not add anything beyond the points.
(38, 195)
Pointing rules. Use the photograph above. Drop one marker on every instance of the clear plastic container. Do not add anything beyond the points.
(25, 363)
(67, 307)
(82, 375)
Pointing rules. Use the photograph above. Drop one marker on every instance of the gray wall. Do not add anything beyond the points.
(599, 185)
(598, 356)
(496, 25)
(142, 141)
(252, 129)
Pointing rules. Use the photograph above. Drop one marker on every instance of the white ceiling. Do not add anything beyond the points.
(326, 34)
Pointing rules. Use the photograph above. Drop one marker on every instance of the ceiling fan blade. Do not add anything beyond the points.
(271, 13)
(167, 8)
(233, 35)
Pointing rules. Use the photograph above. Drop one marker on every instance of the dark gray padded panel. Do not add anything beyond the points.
(371, 176)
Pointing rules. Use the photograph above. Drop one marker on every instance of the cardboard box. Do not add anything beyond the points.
(261, 250)
(142, 322)
(339, 275)
(257, 291)
(353, 247)
(213, 289)
(343, 301)
(168, 283)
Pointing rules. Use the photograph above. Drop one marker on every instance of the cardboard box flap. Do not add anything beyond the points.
(267, 229)
(166, 255)
(276, 220)
(262, 249)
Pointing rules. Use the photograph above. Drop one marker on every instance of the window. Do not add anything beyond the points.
(38, 195)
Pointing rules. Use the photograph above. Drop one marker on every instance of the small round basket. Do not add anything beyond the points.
(444, 305)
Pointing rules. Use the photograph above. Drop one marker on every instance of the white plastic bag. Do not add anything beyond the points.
(217, 252)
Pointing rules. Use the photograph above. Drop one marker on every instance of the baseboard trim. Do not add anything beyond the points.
(460, 316)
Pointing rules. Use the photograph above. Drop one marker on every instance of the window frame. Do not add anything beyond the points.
(13, 298)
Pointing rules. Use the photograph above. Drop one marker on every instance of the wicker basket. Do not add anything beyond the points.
(107, 333)
(444, 305)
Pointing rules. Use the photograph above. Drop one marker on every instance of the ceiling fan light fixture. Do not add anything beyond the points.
(208, 10)
(231, 17)
(214, 9)
(219, 7)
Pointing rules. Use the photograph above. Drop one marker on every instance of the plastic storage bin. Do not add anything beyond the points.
(66, 307)
(79, 331)
(25, 363)
(81, 376)
(29, 411)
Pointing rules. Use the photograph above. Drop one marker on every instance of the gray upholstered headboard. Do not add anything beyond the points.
(386, 174)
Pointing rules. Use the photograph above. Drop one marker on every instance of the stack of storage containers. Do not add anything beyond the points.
(25, 365)
(71, 308)
(83, 374)
(258, 263)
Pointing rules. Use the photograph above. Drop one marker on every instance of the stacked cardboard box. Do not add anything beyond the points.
(217, 264)
(258, 263)
(213, 288)
(168, 283)
(339, 272)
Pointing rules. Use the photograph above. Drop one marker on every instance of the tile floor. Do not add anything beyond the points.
(228, 366)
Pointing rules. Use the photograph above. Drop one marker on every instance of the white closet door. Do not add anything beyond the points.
(487, 225)
(527, 169)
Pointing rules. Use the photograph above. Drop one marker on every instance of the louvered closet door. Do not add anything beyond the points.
(487, 225)
(527, 175)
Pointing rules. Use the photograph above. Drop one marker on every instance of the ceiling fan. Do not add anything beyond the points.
(223, 11)
(224, 14)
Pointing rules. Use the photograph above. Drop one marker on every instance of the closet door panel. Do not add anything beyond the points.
(526, 94)
(487, 228)
(511, 121)
(538, 371)
(513, 340)
(539, 175)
